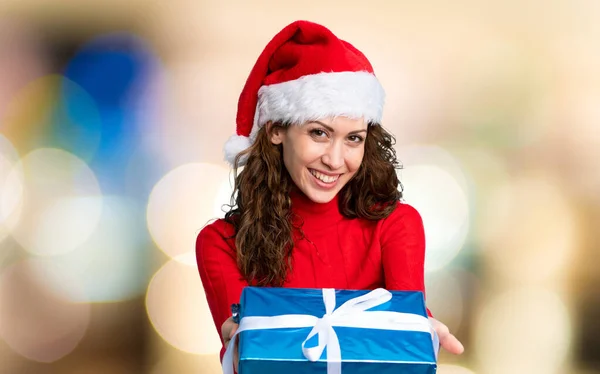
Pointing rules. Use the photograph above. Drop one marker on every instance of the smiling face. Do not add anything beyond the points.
(322, 156)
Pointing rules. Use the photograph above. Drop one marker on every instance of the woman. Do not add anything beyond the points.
(317, 203)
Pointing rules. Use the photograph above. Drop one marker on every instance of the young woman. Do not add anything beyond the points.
(317, 203)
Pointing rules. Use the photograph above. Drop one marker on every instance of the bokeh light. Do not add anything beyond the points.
(144, 169)
(196, 124)
(24, 58)
(445, 299)
(62, 202)
(29, 112)
(453, 369)
(529, 222)
(118, 72)
(178, 309)
(11, 187)
(436, 186)
(111, 265)
(577, 133)
(175, 361)
(54, 112)
(223, 198)
(524, 330)
(182, 203)
(34, 321)
(500, 83)
(74, 123)
(485, 169)
(125, 57)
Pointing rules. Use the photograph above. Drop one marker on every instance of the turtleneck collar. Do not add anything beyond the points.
(314, 215)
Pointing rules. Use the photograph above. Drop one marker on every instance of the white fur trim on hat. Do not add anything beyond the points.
(234, 145)
(317, 96)
(313, 97)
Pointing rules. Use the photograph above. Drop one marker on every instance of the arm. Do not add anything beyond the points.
(403, 255)
(221, 279)
(403, 250)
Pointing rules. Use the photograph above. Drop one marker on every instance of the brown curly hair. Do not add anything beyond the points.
(260, 209)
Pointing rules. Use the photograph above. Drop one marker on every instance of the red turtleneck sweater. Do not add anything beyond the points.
(336, 252)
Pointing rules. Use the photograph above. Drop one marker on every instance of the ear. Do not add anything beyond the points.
(275, 132)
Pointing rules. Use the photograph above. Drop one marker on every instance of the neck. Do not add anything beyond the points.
(303, 202)
(314, 216)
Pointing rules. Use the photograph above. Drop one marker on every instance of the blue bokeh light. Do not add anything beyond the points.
(115, 70)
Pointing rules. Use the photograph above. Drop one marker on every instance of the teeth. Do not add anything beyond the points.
(323, 177)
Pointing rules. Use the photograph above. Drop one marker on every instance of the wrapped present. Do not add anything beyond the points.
(298, 331)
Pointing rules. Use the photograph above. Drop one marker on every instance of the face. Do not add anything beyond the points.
(322, 156)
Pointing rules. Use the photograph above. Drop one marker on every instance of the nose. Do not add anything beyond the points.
(334, 156)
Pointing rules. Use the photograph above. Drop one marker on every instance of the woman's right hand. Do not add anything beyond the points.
(228, 329)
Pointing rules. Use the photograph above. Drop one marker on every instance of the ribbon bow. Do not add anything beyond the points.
(353, 313)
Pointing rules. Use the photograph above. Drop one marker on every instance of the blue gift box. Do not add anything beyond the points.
(298, 331)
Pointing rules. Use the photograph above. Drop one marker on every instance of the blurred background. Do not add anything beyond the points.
(112, 119)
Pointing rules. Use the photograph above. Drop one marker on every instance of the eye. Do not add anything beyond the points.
(318, 133)
(355, 138)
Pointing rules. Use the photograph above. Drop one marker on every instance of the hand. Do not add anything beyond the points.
(228, 329)
(447, 340)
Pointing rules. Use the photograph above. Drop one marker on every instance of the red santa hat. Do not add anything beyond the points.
(305, 73)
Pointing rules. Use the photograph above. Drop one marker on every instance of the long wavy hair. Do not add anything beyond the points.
(260, 209)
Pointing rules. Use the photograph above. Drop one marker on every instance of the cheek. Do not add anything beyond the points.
(306, 154)
(297, 156)
(289, 162)
(354, 159)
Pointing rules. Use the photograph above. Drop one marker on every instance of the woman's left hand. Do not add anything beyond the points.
(447, 340)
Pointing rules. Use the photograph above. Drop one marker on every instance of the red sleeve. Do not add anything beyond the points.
(221, 279)
(403, 250)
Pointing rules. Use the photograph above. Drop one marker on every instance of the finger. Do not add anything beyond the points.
(226, 340)
(225, 328)
(440, 328)
(451, 344)
(233, 330)
(448, 341)
(236, 356)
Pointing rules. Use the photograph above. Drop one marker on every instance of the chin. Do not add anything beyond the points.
(320, 197)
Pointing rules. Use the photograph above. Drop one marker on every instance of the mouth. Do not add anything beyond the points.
(324, 179)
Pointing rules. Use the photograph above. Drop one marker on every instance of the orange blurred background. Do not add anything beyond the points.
(112, 119)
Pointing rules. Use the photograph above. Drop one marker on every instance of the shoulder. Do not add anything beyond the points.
(219, 233)
(404, 215)
(404, 226)
(220, 226)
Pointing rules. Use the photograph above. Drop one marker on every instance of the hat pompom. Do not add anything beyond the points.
(234, 145)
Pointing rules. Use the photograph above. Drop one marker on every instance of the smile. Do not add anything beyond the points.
(323, 177)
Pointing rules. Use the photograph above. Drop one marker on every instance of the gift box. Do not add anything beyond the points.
(298, 331)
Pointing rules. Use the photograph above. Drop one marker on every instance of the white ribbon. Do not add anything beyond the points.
(353, 313)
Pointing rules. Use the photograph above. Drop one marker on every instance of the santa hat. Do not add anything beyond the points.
(305, 73)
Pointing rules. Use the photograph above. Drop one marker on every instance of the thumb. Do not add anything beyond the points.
(451, 344)
(232, 331)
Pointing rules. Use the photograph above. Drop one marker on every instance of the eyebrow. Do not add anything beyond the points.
(332, 130)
